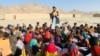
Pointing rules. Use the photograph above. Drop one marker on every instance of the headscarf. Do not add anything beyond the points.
(95, 51)
(47, 35)
(51, 48)
(73, 50)
(33, 42)
(28, 38)
(39, 36)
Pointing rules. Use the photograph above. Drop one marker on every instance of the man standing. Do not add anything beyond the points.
(54, 16)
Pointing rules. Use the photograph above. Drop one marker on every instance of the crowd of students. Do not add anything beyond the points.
(64, 40)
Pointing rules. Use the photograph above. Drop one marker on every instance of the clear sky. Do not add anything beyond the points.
(67, 5)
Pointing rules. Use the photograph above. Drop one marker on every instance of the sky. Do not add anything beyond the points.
(66, 5)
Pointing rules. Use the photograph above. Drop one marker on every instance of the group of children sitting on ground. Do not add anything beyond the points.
(65, 40)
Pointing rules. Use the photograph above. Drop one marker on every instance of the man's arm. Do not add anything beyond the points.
(51, 16)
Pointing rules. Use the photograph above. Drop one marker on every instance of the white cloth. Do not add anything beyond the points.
(20, 44)
(89, 54)
(66, 31)
(8, 31)
(75, 40)
(95, 34)
(53, 23)
(83, 48)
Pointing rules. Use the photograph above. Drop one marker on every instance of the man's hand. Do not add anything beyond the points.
(55, 13)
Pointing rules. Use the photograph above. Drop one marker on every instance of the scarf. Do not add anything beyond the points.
(51, 48)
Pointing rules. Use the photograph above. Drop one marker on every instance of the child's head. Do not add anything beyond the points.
(40, 41)
(37, 23)
(75, 24)
(70, 38)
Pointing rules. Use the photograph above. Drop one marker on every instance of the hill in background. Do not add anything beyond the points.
(27, 8)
